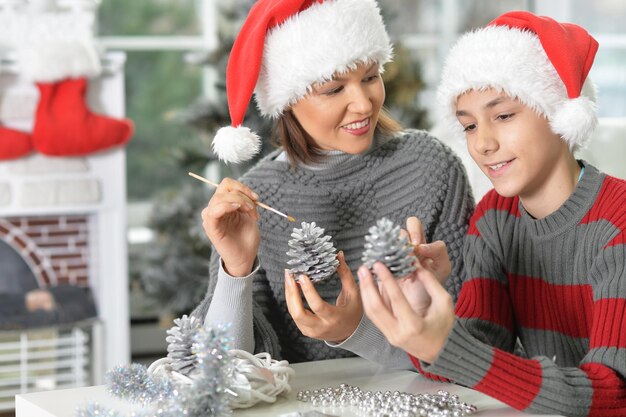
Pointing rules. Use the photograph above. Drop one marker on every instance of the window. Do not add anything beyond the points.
(156, 36)
(159, 37)
(604, 20)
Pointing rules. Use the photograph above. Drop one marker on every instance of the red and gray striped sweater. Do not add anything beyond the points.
(559, 285)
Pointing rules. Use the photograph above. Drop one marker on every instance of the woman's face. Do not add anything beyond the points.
(342, 114)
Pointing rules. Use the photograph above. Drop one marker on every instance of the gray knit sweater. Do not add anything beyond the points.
(412, 174)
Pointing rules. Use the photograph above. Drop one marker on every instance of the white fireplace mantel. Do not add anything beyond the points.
(94, 185)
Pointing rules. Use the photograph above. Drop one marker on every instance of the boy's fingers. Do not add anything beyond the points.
(432, 250)
(438, 294)
(416, 230)
(373, 305)
(383, 294)
(398, 302)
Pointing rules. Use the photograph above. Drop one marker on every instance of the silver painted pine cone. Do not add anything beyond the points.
(179, 342)
(312, 252)
(387, 245)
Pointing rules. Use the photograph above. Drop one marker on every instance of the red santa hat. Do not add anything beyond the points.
(286, 46)
(539, 61)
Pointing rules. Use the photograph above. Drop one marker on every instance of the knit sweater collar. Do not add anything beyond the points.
(571, 211)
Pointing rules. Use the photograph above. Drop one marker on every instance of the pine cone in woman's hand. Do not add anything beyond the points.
(312, 252)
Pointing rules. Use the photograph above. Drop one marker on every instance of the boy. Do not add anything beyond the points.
(545, 252)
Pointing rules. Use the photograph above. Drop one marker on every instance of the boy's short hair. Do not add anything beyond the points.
(535, 59)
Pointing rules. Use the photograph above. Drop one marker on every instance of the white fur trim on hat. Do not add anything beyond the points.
(513, 61)
(311, 46)
(236, 144)
(51, 61)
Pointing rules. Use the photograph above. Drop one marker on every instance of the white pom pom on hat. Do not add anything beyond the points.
(539, 61)
(284, 47)
(236, 144)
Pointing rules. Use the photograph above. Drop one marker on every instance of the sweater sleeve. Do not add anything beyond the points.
(368, 342)
(457, 209)
(232, 305)
(225, 301)
(478, 351)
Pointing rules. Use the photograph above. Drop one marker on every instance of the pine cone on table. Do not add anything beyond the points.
(179, 343)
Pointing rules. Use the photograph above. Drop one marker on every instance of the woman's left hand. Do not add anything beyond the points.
(325, 321)
(421, 332)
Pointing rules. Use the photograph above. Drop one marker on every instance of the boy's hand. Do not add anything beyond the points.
(432, 256)
(325, 321)
(421, 333)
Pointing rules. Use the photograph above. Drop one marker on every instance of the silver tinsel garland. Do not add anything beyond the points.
(385, 244)
(162, 397)
(133, 383)
(312, 252)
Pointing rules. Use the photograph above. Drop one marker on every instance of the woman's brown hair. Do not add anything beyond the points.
(300, 146)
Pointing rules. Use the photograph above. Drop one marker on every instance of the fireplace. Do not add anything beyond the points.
(56, 248)
(66, 218)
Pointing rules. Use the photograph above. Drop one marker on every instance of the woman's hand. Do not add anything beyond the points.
(229, 221)
(325, 321)
(432, 256)
(422, 332)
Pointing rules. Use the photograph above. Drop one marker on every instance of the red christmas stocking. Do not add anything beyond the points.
(14, 144)
(65, 126)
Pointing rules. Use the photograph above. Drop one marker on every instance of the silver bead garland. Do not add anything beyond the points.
(388, 404)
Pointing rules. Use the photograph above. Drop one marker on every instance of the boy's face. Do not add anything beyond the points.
(511, 143)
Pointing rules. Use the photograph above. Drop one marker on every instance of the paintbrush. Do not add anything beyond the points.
(258, 203)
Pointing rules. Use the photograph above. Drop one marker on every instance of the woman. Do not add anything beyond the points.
(343, 163)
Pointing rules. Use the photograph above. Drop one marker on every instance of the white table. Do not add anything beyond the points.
(311, 375)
